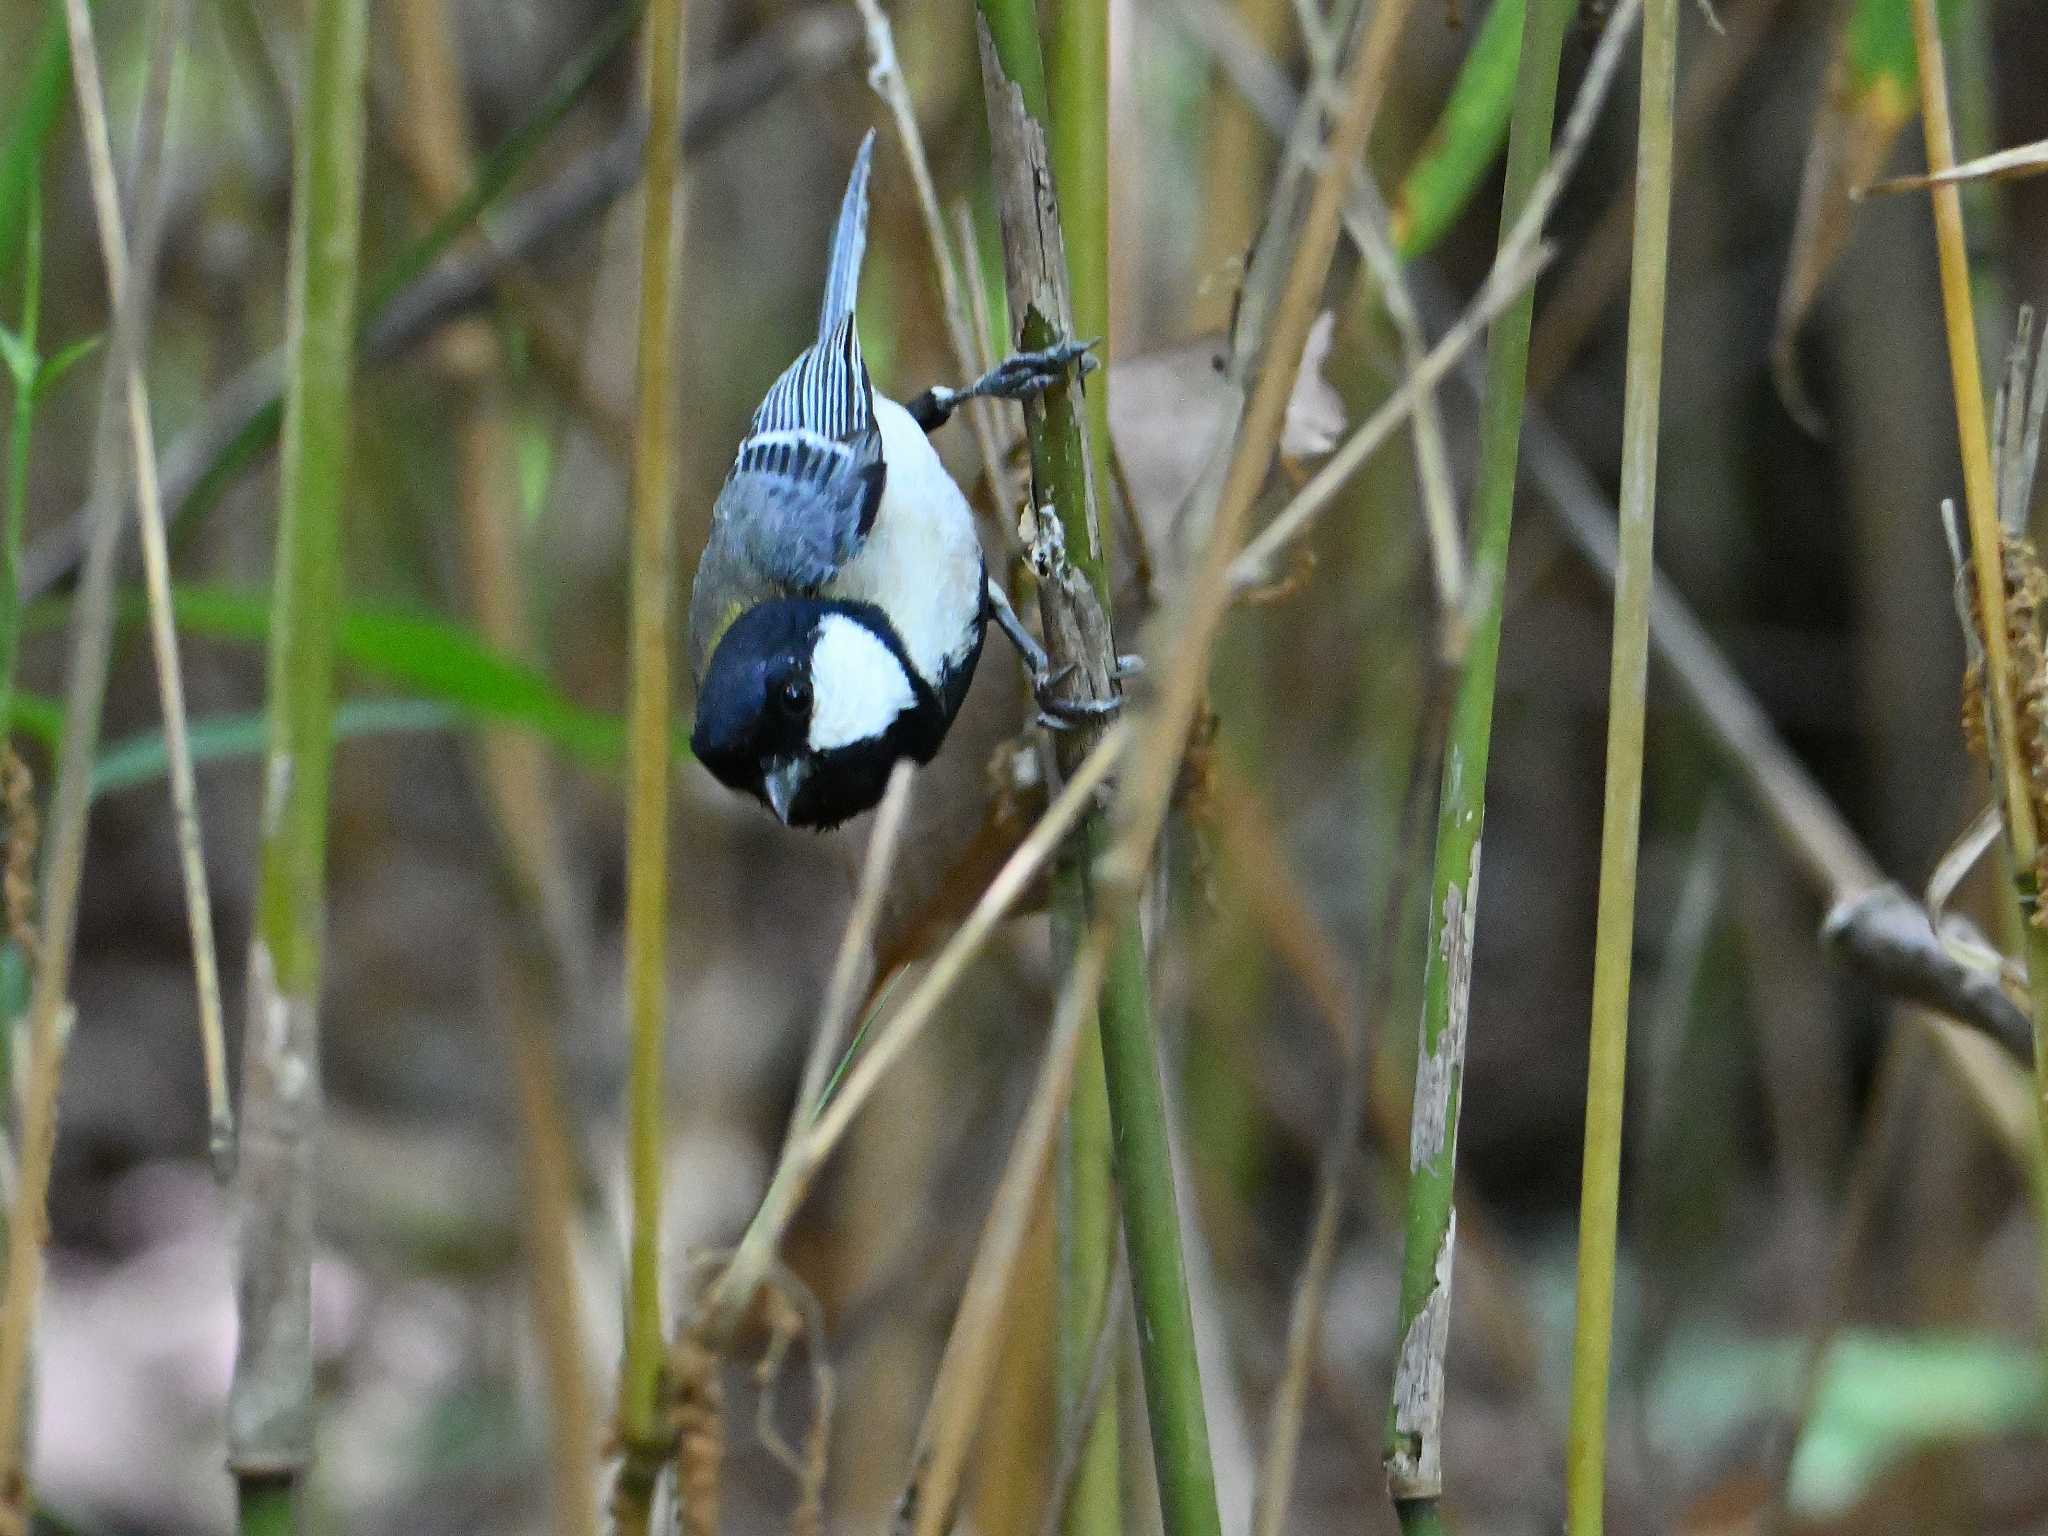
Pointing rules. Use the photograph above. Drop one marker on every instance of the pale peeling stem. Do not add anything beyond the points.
(271, 1399)
(1416, 1469)
(1414, 1451)
(270, 1412)
(1415, 1440)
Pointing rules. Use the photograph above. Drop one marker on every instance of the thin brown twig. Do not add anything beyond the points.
(1354, 1110)
(733, 1291)
(1101, 1357)
(149, 514)
(1520, 257)
(808, 46)
(1365, 218)
(2014, 164)
(1585, 287)
(885, 76)
(965, 1370)
(548, 1174)
(1256, 566)
(91, 647)
(1148, 786)
(853, 966)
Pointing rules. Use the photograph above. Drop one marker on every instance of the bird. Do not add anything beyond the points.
(839, 606)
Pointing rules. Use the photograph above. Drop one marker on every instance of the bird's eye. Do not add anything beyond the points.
(794, 695)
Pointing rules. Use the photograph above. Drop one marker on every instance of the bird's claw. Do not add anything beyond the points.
(1127, 667)
(1023, 375)
(1072, 714)
(1058, 714)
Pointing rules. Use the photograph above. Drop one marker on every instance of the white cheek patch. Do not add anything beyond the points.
(858, 687)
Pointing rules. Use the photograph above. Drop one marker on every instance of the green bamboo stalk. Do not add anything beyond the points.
(1415, 1418)
(1057, 426)
(1087, 1227)
(1079, 126)
(1585, 1459)
(270, 1407)
(643, 1442)
(1159, 1291)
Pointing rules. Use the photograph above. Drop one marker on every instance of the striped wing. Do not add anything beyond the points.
(807, 481)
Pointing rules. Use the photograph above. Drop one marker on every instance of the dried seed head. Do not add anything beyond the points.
(18, 809)
(2026, 590)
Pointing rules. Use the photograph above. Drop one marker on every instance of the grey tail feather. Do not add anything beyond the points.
(849, 244)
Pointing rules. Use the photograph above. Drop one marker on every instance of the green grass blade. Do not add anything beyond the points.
(28, 130)
(1622, 806)
(1467, 138)
(431, 657)
(26, 138)
(143, 758)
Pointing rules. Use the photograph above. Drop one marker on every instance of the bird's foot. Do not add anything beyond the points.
(1062, 714)
(1023, 375)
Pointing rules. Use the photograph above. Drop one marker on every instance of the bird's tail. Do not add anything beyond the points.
(849, 244)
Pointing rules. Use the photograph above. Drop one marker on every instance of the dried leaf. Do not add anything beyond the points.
(1315, 411)
(1868, 99)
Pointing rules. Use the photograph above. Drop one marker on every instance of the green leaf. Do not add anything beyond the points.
(1467, 138)
(1877, 46)
(28, 129)
(143, 758)
(1871, 94)
(42, 719)
(52, 370)
(424, 655)
(20, 358)
(427, 657)
(1883, 1396)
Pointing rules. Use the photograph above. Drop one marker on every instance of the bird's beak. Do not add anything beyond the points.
(781, 783)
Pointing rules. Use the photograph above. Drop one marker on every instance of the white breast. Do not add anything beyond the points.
(921, 564)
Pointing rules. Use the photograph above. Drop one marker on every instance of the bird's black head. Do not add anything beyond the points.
(807, 705)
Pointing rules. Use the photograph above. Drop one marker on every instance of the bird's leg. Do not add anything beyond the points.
(1054, 713)
(1017, 377)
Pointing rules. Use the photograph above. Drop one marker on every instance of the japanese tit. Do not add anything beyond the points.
(839, 607)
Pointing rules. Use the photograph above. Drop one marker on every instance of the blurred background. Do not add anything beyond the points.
(1777, 1103)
